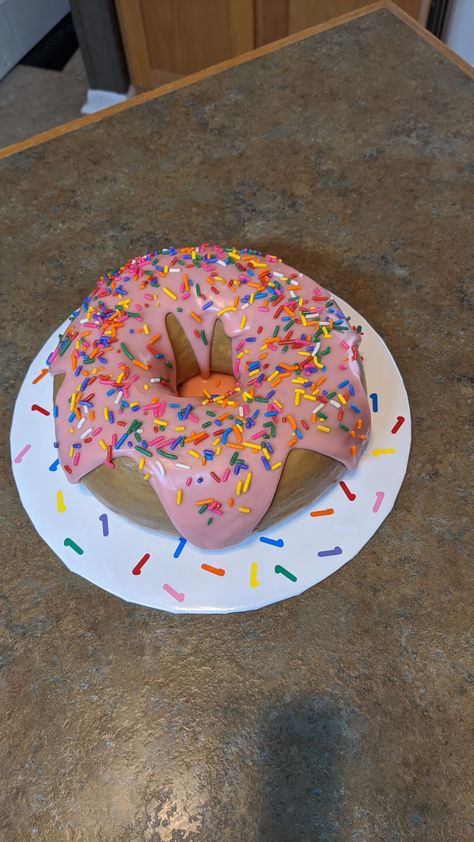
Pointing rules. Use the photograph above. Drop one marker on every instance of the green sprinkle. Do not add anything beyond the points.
(343, 427)
(209, 521)
(143, 450)
(202, 508)
(331, 395)
(207, 424)
(65, 347)
(276, 330)
(234, 457)
(209, 412)
(289, 324)
(126, 351)
(285, 572)
(165, 454)
(203, 337)
(198, 289)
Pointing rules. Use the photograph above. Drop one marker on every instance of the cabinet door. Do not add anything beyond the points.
(277, 18)
(165, 39)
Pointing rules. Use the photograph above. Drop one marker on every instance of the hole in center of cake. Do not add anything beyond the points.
(218, 382)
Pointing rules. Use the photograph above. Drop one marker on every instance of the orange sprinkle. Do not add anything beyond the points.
(322, 513)
(141, 365)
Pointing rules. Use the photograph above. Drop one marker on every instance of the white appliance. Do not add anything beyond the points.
(22, 24)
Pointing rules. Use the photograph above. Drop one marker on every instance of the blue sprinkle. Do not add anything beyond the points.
(355, 408)
(279, 542)
(54, 465)
(179, 549)
(298, 435)
(266, 463)
(55, 411)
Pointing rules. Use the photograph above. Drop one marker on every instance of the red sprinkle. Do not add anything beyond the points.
(41, 409)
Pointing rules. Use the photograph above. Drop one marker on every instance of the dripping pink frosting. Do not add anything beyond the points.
(295, 360)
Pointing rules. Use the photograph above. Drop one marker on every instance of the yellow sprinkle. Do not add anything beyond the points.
(106, 413)
(71, 452)
(146, 329)
(141, 464)
(251, 445)
(180, 429)
(247, 482)
(244, 509)
(168, 292)
(102, 444)
(276, 465)
(120, 377)
(60, 504)
(179, 496)
(326, 332)
(317, 364)
(381, 450)
(238, 488)
(253, 581)
(226, 310)
(166, 269)
(272, 377)
(265, 453)
(323, 429)
(342, 398)
(194, 453)
(73, 401)
(242, 323)
(309, 397)
(146, 476)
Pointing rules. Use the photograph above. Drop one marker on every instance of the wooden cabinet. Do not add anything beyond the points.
(165, 39)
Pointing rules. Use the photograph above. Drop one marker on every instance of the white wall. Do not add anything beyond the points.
(459, 33)
(22, 24)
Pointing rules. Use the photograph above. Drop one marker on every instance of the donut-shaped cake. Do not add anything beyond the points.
(279, 413)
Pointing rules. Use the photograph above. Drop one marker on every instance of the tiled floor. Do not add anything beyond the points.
(34, 100)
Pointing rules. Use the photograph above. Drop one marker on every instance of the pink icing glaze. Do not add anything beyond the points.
(295, 359)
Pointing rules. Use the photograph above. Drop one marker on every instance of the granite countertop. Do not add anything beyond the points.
(340, 714)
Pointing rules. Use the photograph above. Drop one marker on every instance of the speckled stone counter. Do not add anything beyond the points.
(341, 714)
